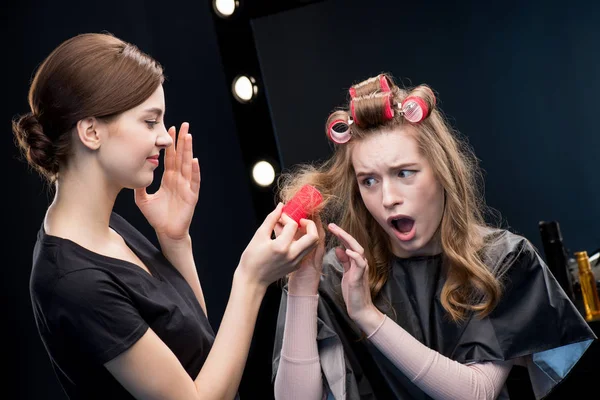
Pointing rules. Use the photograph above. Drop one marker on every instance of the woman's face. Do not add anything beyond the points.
(400, 190)
(130, 153)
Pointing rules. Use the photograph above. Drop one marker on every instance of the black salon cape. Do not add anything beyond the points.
(534, 317)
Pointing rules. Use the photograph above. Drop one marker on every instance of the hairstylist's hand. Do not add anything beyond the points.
(170, 209)
(305, 280)
(266, 260)
(355, 282)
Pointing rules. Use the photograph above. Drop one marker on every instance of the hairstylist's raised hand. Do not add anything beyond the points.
(170, 209)
(355, 282)
(266, 260)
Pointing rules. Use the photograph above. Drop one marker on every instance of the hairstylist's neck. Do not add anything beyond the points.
(81, 207)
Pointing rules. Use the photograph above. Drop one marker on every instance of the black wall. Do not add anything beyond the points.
(519, 79)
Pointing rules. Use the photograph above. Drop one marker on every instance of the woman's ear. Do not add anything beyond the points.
(88, 133)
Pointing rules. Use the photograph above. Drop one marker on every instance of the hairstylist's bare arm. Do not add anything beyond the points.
(149, 370)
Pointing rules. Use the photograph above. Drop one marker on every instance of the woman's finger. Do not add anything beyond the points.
(357, 258)
(278, 228)
(288, 232)
(196, 178)
(140, 195)
(170, 151)
(307, 241)
(186, 165)
(183, 130)
(347, 239)
(343, 258)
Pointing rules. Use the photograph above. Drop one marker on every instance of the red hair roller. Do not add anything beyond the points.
(303, 203)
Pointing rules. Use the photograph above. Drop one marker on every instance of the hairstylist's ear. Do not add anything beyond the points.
(87, 131)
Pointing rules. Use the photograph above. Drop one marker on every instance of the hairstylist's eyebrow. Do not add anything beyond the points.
(154, 110)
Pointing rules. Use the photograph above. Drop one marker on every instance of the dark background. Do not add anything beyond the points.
(519, 79)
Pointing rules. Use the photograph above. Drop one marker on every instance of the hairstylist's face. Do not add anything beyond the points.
(130, 154)
(399, 189)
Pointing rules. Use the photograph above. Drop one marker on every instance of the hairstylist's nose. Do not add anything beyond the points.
(164, 139)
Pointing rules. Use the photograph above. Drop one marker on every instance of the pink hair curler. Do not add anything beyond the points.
(414, 109)
(339, 131)
(384, 83)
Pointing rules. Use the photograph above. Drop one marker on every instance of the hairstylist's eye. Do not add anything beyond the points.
(151, 123)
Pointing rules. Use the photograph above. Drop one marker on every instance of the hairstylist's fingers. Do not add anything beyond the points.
(322, 235)
(140, 195)
(319, 225)
(270, 221)
(186, 165)
(170, 151)
(278, 228)
(308, 240)
(286, 219)
(347, 239)
(196, 177)
(183, 131)
(290, 227)
(309, 226)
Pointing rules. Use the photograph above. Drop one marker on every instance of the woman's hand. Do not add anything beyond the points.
(355, 282)
(170, 209)
(266, 260)
(305, 280)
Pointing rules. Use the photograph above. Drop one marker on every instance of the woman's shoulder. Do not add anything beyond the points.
(61, 264)
(505, 250)
(120, 224)
(63, 277)
(502, 237)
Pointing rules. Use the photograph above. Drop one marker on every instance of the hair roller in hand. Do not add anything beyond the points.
(303, 203)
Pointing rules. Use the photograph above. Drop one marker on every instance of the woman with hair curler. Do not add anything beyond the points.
(411, 294)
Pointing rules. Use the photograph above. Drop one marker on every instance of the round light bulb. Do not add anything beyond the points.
(263, 173)
(244, 88)
(225, 8)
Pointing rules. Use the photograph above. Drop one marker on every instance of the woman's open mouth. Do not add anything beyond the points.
(404, 228)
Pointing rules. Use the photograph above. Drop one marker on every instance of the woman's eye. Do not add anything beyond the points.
(405, 173)
(368, 182)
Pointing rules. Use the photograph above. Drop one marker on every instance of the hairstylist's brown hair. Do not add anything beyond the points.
(89, 75)
(470, 285)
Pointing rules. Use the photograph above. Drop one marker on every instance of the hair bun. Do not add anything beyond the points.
(34, 144)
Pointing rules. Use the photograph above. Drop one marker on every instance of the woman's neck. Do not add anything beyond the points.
(81, 209)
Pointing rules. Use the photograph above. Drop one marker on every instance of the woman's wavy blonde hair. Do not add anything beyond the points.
(470, 285)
